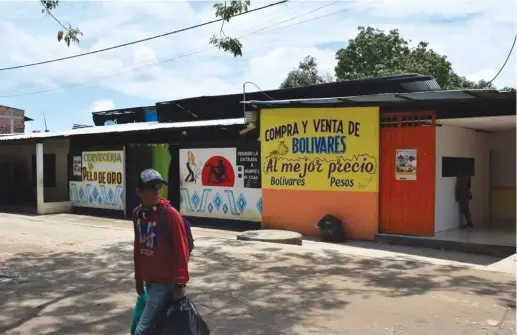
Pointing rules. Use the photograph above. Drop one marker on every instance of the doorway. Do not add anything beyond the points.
(407, 173)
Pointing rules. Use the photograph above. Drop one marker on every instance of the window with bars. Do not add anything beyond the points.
(406, 121)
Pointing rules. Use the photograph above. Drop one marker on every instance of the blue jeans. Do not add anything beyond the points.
(157, 297)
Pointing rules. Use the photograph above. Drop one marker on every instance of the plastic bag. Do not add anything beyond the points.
(137, 311)
(183, 318)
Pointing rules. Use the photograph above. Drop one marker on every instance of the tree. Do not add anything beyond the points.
(375, 53)
(224, 11)
(67, 34)
(306, 74)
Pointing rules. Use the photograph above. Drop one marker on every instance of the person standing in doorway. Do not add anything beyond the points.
(463, 197)
(161, 251)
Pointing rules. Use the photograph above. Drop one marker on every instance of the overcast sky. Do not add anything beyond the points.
(476, 35)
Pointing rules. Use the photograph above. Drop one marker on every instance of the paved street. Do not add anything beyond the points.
(66, 274)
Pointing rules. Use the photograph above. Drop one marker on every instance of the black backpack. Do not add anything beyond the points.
(188, 231)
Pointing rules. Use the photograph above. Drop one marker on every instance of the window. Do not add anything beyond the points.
(49, 170)
(451, 166)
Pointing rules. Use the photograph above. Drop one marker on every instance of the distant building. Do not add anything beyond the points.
(12, 120)
(127, 115)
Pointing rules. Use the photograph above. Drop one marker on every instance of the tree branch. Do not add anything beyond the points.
(226, 12)
(69, 34)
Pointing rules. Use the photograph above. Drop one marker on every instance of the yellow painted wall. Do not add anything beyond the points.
(502, 170)
(502, 203)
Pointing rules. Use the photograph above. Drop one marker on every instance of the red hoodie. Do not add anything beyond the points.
(161, 255)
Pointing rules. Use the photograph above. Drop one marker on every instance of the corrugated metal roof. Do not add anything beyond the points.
(121, 128)
(421, 86)
(130, 110)
(79, 126)
(467, 95)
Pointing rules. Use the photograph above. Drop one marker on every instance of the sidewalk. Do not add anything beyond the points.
(352, 248)
(63, 275)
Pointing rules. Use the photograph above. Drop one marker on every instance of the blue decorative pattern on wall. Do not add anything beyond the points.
(259, 205)
(97, 196)
(225, 203)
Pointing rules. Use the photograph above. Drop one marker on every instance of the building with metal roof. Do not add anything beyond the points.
(446, 104)
(229, 106)
(387, 165)
(125, 115)
(141, 128)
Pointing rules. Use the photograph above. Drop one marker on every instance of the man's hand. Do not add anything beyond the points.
(178, 293)
(139, 286)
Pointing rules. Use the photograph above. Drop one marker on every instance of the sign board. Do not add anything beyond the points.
(221, 183)
(77, 166)
(102, 184)
(323, 149)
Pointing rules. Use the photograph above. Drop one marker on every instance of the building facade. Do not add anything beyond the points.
(12, 120)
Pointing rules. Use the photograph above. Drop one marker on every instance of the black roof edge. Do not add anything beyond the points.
(122, 110)
(26, 118)
(407, 77)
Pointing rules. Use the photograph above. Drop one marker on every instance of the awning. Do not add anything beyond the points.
(395, 98)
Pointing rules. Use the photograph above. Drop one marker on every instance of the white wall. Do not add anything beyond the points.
(460, 142)
(503, 159)
(60, 148)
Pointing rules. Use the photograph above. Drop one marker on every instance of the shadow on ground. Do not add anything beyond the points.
(240, 290)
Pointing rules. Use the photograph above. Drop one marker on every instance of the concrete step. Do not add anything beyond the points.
(460, 246)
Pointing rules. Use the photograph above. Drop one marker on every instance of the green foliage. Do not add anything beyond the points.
(49, 5)
(375, 53)
(227, 44)
(226, 11)
(306, 74)
(68, 34)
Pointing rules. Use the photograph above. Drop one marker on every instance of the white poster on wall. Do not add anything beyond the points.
(405, 164)
(102, 184)
(77, 166)
(221, 183)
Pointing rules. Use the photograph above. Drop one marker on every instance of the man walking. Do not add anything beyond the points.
(463, 197)
(161, 251)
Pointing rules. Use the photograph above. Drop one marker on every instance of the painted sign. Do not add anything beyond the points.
(221, 183)
(320, 149)
(77, 166)
(405, 167)
(102, 184)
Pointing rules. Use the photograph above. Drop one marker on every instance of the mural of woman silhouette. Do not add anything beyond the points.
(191, 162)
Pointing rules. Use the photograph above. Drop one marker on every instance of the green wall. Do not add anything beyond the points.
(161, 161)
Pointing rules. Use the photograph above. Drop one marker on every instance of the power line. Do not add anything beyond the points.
(260, 90)
(329, 14)
(140, 41)
(189, 53)
(146, 64)
(99, 70)
(504, 64)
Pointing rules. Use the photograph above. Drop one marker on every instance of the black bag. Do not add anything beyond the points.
(183, 318)
(331, 229)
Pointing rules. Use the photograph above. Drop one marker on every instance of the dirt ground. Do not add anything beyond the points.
(66, 274)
